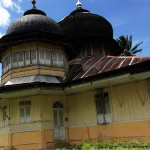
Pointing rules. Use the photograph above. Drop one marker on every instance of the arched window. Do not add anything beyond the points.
(58, 105)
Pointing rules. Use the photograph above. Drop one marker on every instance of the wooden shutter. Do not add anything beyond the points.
(28, 111)
(61, 119)
(108, 115)
(22, 111)
(25, 111)
(4, 119)
(99, 109)
(55, 119)
(103, 108)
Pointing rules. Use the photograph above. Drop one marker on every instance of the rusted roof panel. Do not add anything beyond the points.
(96, 65)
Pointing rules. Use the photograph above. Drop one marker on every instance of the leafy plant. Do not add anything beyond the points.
(113, 145)
(11, 148)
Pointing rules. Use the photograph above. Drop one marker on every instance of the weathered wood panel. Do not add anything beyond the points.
(130, 101)
(82, 109)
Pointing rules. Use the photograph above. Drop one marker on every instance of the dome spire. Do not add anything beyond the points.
(34, 2)
(79, 4)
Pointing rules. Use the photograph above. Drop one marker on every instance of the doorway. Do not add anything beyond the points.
(59, 128)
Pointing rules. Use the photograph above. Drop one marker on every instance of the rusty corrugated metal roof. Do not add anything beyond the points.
(96, 65)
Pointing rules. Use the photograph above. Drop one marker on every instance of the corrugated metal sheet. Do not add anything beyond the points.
(31, 79)
(96, 65)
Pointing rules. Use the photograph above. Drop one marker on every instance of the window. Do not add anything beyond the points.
(18, 59)
(4, 65)
(48, 58)
(34, 59)
(8, 63)
(54, 58)
(60, 59)
(103, 108)
(21, 59)
(4, 121)
(57, 59)
(42, 57)
(27, 58)
(25, 111)
(14, 60)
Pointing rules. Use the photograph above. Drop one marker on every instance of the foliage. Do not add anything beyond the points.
(127, 44)
(119, 145)
(11, 148)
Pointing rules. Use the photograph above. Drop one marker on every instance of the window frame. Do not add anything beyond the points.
(14, 59)
(23, 60)
(102, 100)
(4, 116)
(25, 105)
(57, 64)
(37, 57)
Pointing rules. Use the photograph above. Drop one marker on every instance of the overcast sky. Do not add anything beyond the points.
(126, 16)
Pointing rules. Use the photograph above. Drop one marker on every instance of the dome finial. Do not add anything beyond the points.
(34, 2)
(79, 4)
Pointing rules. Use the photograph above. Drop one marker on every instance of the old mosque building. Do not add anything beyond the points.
(65, 83)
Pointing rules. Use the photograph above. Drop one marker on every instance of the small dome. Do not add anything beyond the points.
(83, 23)
(34, 20)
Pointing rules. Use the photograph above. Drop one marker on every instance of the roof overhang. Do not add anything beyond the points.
(67, 89)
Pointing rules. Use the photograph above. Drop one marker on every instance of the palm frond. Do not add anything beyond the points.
(136, 46)
(126, 43)
(136, 51)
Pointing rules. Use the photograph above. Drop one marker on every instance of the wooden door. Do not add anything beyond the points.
(59, 128)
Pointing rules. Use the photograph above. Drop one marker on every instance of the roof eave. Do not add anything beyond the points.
(128, 74)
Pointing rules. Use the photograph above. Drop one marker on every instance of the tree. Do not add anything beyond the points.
(126, 44)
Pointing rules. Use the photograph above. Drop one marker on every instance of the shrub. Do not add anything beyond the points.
(119, 145)
(11, 148)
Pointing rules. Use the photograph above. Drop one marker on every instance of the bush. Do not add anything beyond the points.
(119, 145)
(11, 148)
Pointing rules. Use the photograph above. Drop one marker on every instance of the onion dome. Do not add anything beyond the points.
(81, 22)
(34, 25)
(34, 20)
(89, 34)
